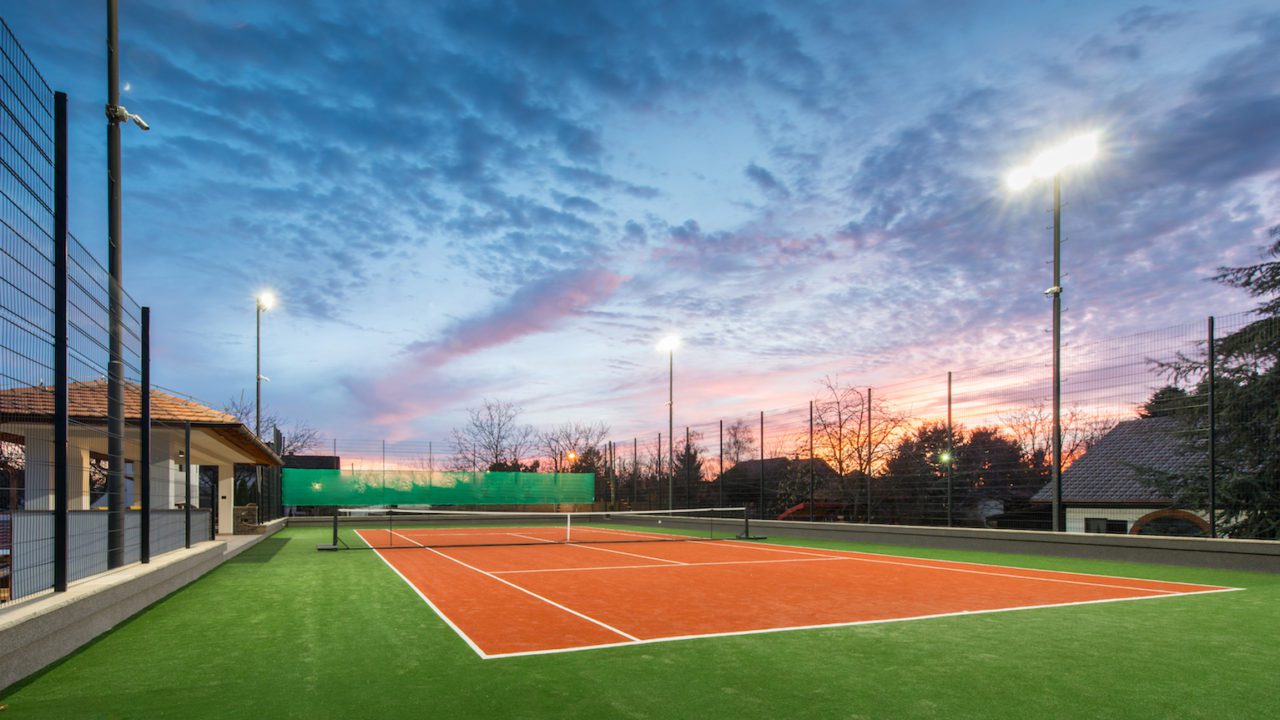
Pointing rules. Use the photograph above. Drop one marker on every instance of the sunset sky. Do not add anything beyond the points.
(517, 200)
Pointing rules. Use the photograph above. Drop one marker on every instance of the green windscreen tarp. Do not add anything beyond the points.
(353, 488)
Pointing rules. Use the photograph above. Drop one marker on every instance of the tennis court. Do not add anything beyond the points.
(525, 590)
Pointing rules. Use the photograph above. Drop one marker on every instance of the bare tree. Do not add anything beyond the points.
(576, 438)
(493, 435)
(837, 425)
(1032, 428)
(299, 436)
(739, 442)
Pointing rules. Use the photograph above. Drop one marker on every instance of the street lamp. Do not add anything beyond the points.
(1051, 163)
(669, 345)
(265, 301)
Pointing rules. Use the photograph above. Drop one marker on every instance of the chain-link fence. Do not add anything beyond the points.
(1142, 451)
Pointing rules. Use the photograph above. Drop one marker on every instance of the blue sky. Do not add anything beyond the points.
(515, 200)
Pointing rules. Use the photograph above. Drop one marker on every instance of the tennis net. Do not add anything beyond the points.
(368, 528)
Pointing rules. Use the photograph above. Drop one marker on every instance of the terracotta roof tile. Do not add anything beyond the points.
(88, 401)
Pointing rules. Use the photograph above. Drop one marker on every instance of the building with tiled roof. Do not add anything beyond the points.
(1103, 491)
(219, 442)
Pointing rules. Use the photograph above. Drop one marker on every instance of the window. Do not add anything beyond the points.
(1103, 525)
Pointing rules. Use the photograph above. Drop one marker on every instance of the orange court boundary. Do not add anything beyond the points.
(413, 572)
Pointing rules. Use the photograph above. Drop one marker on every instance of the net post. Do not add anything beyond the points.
(746, 526)
(568, 527)
(334, 544)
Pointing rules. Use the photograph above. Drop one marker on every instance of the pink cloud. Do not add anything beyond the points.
(414, 387)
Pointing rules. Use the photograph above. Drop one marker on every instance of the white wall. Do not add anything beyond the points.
(1076, 516)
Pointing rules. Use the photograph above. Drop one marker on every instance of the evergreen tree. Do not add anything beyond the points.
(1246, 388)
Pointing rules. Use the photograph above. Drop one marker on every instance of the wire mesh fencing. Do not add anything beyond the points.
(55, 294)
(1171, 431)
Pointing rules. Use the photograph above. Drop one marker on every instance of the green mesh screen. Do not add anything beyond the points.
(422, 487)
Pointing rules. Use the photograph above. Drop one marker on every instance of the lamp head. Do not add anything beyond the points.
(266, 299)
(1079, 150)
(669, 343)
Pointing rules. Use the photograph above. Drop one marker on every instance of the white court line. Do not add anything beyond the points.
(553, 603)
(762, 631)
(656, 537)
(852, 556)
(922, 564)
(465, 638)
(899, 558)
(529, 537)
(646, 567)
(619, 552)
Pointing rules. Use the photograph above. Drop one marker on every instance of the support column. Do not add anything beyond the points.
(38, 473)
(226, 498)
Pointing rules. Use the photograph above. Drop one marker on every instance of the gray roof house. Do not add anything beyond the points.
(1102, 490)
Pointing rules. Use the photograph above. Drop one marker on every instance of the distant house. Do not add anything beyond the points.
(784, 484)
(1102, 491)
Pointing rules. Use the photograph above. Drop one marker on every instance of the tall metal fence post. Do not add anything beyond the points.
(658, 490)
(811, 474)
(869, 448)
(61, 430)
(720, 472)
(761, 508)
(688, 471)
(635, 469)
(186, 505)
(1213, 434)
(951, 458)
(144, 430)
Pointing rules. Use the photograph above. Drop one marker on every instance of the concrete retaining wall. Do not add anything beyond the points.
(42, 630)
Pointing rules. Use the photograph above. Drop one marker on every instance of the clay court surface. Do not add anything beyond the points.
(507, 600)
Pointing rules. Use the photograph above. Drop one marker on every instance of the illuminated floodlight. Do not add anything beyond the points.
(266, 299)
(669, 343)
(1079, 150)
(944, 457)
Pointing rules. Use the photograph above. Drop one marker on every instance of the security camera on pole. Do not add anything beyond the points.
(116, 114)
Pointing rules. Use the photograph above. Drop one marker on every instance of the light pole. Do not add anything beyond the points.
(264, 302)
(1051, 163)
(669, 344)
(116, 114)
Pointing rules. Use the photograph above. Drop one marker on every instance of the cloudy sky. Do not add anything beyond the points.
(516, 200)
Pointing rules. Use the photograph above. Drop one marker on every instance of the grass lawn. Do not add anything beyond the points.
(283, 631)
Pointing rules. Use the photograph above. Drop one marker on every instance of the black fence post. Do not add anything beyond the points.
(760, 507)
(186, 505)
(951, 458)
(1213, 435)
(144, 462)
(60, 410)
(688, 470)
(869, 448)
(811, 463)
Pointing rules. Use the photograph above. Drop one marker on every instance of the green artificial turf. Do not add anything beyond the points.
(283, 631)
